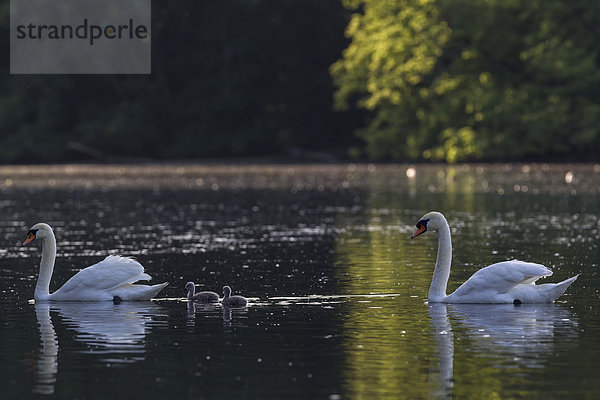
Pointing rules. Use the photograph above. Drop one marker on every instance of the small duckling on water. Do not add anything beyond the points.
(232, 301)
(200, 297)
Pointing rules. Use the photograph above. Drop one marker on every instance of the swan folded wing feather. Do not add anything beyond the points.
(111, 273)
(501, 277)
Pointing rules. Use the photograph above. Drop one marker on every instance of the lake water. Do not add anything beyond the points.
(337, 289)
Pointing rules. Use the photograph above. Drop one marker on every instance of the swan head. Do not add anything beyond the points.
(226, 291)
(191, 290)
(38, 231)
(433, 221)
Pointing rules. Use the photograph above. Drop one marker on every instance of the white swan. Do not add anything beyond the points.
(503, 282)
(111, 278)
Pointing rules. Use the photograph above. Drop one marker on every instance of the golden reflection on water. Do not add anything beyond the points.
(387, 352)
(387, 340)
(400, 347)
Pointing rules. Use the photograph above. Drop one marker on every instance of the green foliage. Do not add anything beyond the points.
(434, 80)
(448, 80)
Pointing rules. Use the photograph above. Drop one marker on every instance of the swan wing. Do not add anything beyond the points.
(104, 277)
(496, 280)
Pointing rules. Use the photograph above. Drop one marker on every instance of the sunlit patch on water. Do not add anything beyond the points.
(313, 299)
(318, 300)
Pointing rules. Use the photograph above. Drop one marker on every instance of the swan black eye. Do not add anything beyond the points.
(30, 236)
(422, 223)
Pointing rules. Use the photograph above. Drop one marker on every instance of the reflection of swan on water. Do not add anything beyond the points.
(47, 363)
(522, 335)
(109, 326)
(230, 313)
(525, 333)
(205, 309)
(118, 330)
(445, 341)
(211, 310)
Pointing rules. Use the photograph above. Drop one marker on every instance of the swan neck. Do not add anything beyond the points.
(191, 293)
(439, 282)
(42, 288)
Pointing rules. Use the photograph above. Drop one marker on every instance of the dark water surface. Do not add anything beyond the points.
(337, 289)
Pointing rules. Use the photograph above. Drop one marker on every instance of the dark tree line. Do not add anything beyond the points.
(380, 79)
(229, 78)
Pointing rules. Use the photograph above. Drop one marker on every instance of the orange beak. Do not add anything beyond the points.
(421, 230)
(30, 238)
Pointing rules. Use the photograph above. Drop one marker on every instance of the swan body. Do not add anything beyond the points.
(232, 301)
(503, 282)
(200, 297)
(111, 278)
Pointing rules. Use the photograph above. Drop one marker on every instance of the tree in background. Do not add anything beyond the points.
(229, 78)
(460, 80)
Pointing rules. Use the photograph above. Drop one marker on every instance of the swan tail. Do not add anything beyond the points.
(546, 293)
(138, 292)
(561, 287)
